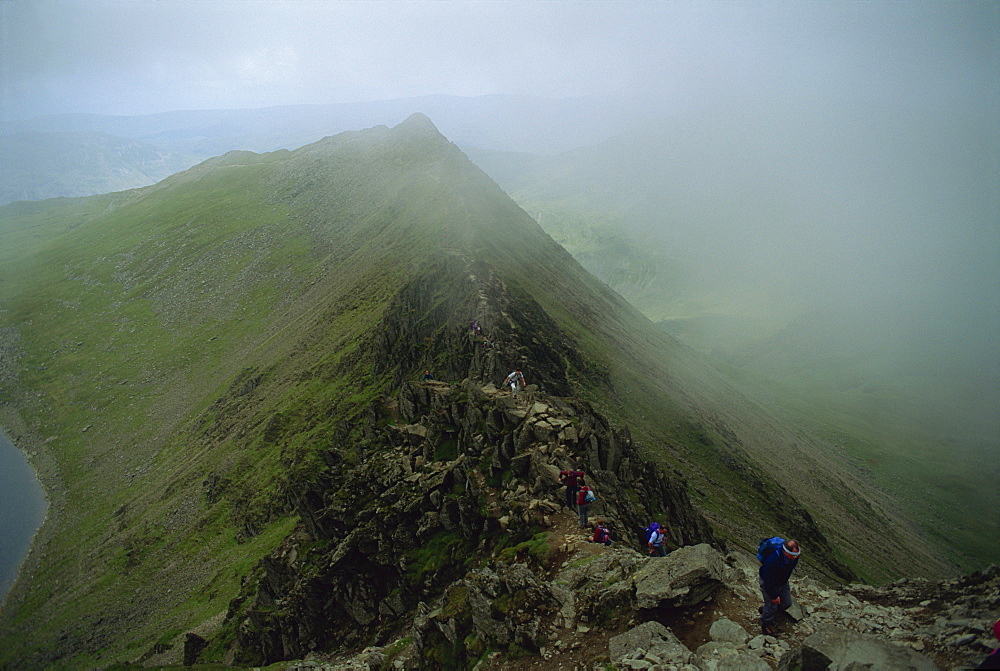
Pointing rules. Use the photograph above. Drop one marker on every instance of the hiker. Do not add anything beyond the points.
(583, 500)
(656, 540)
(474, 327)
(992, 660)
(601, 535)
(572, 479)
(427, 375)
(513, 380)
(775, 569)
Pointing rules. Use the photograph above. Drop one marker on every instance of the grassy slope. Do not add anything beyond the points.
(937, 477)
(146, 316)
(135, 323)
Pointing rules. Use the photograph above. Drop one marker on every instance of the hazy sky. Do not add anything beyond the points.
(912, 214)
(142, 56)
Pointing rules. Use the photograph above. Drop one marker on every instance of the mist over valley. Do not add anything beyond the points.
(849, 258)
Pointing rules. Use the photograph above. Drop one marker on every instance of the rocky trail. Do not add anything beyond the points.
(562, 603)
(949, 623)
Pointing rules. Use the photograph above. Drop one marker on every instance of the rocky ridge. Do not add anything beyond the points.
(827, 627)
(453, 549)
(473, 477)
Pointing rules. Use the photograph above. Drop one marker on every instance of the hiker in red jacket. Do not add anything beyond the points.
(572, 479)
(601, 535)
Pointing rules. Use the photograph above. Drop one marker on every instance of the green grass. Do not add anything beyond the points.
(130, 316)
(437, 553)
(937, 484)
(536, 549)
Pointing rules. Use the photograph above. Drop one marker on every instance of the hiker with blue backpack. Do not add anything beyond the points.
(657, 540)
(778, 558)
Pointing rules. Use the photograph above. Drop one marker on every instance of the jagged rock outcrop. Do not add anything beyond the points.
(558, 612)
(433, 548)
(508, 605)
(514, 331)
(467, 474)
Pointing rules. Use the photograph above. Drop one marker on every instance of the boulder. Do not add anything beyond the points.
(649, 639)
(723, 656)
(715, 650)
(794, 611)
(835, 648)
(739, 662)
(603, 585)
(725, 630)
(685, 577)
(538, 408)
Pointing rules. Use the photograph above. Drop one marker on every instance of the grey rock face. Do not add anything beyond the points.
(505, 602)
(461, 473)
(727, 656)
(685, 577)
(846, 649)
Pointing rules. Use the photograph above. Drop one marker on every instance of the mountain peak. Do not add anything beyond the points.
(417, 123)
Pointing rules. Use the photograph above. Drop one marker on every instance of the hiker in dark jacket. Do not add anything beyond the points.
(572, 479)
(774, 573)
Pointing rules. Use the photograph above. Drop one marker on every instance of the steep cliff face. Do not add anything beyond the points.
(456, 476)
(418, 331)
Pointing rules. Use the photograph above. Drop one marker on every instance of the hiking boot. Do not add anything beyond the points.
(768, 630)
(760, 609)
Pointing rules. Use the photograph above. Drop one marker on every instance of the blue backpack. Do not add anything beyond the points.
(768, 546)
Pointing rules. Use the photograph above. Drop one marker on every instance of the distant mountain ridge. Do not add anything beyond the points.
(202, 357)
(70, 164)
(504, 122)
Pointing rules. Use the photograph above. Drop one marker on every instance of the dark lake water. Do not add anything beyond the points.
(22, 509)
